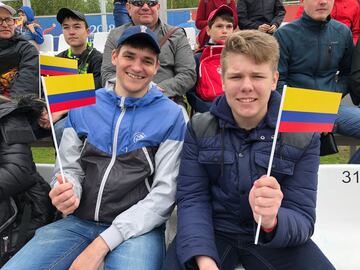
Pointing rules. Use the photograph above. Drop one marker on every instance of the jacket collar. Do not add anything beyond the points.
(151, 96)
(309, 22)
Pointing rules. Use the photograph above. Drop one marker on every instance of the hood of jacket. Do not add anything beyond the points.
(30, 16)
(221, 109)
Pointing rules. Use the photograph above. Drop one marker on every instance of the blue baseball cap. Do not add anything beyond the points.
(140, 31)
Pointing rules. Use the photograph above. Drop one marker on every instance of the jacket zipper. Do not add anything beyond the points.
(112, 161)
(151, 168)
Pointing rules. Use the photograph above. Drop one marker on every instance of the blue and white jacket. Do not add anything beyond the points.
(122, 155)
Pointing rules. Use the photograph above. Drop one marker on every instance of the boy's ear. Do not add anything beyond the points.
(208, 30)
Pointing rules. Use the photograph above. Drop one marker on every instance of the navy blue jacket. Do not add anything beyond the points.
(217, 172)
(311, 53)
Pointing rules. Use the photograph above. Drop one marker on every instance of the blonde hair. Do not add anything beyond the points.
(259, 46)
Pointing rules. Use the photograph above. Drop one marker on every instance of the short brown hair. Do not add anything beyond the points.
(261, 47)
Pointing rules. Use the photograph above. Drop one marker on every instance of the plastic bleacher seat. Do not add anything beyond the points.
(338, 215)
(191, 35)
(100, 40)
(62, 45)
(48, 44)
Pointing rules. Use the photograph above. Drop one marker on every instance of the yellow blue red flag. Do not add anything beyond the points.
(53, 66)
(69, 91)
(306, 110)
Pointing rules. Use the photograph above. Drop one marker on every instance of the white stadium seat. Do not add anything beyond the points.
(100, 40)
(48, 44)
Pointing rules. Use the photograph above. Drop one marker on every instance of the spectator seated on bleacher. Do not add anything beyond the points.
(204, 9)
(27, 26)
(208, 68)
(76, 31)
(24, 202)
(176, 74)
(222, 187)
(315, 53)
(263, 15)
(120, 159)
(19, 61)
(346, 12)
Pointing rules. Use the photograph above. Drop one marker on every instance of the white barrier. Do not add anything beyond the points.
(337, 229)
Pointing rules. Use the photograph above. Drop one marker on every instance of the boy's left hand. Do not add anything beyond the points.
(265, 200)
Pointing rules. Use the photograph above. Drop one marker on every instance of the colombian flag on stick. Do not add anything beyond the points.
(307, 110)
(69, 91)
(52, 66)
(303, 110)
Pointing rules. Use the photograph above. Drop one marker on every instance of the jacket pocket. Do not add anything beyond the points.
(279, 169)
(214, 161)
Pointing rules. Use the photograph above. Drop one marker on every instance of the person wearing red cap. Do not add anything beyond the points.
(202, 15)
(220, 24)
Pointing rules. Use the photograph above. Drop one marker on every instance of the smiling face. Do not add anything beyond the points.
(144, 15)
(247, 87)
(6, 31)
(135, 68)
(75, 32)
(318, 10)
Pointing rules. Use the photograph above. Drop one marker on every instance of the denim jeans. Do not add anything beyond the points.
(56, 246)
(348, 124)
(121, 15)
(233, 249)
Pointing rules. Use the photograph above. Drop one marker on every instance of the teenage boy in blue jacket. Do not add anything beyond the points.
(222, 188)
(120, 158)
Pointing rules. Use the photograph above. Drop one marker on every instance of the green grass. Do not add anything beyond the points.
(47, 155)
(43, 154)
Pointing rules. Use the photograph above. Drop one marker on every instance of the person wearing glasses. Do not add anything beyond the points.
(176, 74)
(120, 159)
(19, 61)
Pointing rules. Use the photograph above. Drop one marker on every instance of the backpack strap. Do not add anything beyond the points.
(204, 125)
(168, 35)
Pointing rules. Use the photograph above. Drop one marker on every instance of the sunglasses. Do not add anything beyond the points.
(140, 3)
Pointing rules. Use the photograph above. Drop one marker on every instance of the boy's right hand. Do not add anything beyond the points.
(206, 263)
(63, 198)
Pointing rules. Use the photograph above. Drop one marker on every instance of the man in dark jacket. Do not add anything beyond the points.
(76, 31)
(222, 187)
(19, 61)
(24, 200)
(315, 53)
(263, 15)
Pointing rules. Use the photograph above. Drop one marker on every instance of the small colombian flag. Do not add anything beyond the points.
(69, 91)
(53, 66)
(307, 110)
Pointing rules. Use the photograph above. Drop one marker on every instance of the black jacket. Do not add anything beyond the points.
(253, 13)
(21, 56)
(21, 187)
(88, 62)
